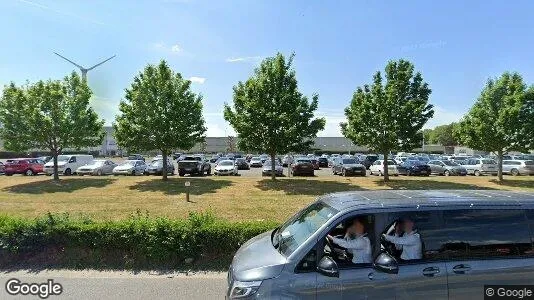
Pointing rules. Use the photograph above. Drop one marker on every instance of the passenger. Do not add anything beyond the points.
(356, 242)
(409, 242)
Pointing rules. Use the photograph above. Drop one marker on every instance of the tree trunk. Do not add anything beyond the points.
(273, 167)
(56, 174)
(386, 173)
(164, 170)
(499, 166)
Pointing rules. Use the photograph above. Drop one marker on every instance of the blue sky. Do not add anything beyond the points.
(457, 45)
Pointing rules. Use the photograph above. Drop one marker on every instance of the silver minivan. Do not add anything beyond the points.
(518, 167)
(480, 166)
(467, 239)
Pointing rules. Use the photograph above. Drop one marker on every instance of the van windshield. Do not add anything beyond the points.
(301, 226)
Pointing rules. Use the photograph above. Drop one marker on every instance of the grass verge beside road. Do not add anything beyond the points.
(228, 198)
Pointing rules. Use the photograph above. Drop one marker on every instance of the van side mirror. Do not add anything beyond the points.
(328, 267)
(386, 263)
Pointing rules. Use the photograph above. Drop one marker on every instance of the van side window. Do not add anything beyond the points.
(487, 233)
(429, 225)
(72, 159)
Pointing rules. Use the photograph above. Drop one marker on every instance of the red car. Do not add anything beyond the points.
(26, 166)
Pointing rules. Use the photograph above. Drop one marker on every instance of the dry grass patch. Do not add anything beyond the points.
(232, 198)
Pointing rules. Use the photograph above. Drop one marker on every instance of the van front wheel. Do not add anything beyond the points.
(68, 172)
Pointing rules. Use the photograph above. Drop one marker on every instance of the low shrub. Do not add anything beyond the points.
(139, 242)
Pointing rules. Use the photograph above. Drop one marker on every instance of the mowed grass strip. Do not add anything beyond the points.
(230, 198)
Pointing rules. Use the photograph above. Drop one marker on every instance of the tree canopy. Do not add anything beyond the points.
(389, 116)
(270, 114)
(160, 112)
(501, 119)
(442, 135)
(53, 115)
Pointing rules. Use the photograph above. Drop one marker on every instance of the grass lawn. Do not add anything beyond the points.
(232, 198)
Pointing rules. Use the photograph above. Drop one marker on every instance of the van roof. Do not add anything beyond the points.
(426, 198)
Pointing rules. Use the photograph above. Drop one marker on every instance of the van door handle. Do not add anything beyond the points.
(430, 271)
(461, 269)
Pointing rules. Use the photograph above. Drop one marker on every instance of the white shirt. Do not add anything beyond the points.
(360, 247)
(410, 243)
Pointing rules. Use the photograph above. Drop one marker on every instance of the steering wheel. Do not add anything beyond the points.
(389, 247)
(330, 246)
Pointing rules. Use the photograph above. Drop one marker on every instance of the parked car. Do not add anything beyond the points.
(464, 240)
(480, 166)
(446, 167)
(267, 168)
(68, 164)
(45, 159)
(226, 167)
(287, 160)
(130, 167)
(25, 166)
(136, 157)
(315, 163)
(194, 165)
(242, 164)
(176, 155)
(377, 168)
(214, 159)
(302, 166)
(413, 168)
(255, 162)
(97, 167)
(2, 168)
(323, 162)
(368, 160)
(518, 167)
(264, 157)
(460, 159)
(348, 166)
(156, 167)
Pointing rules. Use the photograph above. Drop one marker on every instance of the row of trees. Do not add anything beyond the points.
(442, 135)
(269, 114)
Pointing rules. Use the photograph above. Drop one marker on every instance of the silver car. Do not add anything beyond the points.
(480, 166)
(464, 240)
(130, 167)
(446, 167)
(97, 167)
(156, 167)
(267, 168)
(518, 167)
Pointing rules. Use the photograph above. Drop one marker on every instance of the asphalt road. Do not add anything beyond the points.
(122, 285)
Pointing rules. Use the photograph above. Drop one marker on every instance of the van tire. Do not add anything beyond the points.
(446, 173)
(68, 172)
(477, 173)
(99, 173)
(514, 172)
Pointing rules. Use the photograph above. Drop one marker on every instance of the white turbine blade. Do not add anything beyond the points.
(77, 65)
(98, 64)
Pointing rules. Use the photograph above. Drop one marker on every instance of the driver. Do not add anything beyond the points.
(409, 242)
(356, 242)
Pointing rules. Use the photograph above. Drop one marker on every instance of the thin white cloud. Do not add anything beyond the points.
(60, 12)
(173, 49)
(199, 80)
(444, 116)
(243, 59)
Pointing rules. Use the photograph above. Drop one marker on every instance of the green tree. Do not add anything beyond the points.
(269, 114)
(53, 115)
(160, 112)
(500, 118)
(390, 116)
(444, 135)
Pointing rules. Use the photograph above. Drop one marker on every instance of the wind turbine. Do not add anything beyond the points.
(82, 69)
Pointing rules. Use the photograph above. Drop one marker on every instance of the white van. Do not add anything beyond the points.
(67, 164)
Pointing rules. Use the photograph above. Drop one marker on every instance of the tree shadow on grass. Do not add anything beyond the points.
(515, 183)
(414, 184)
(175, 186)
(305, 187)
(68, 185)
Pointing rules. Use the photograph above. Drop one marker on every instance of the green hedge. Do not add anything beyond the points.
(199, 242)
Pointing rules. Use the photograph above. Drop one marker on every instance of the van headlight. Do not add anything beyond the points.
(242, 289)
